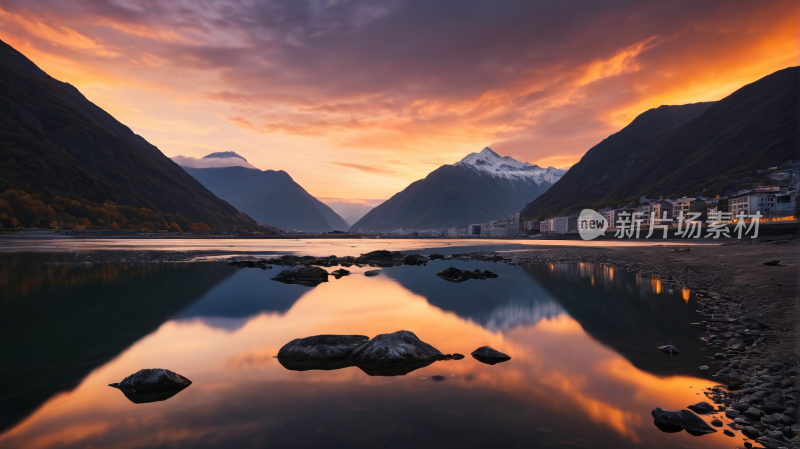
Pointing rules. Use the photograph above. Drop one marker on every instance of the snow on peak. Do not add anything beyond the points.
(489, 162)
(223, 155)
(213, 160)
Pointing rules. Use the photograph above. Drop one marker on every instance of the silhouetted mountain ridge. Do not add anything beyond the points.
(673, 151)
(55, 142)
(270, 197)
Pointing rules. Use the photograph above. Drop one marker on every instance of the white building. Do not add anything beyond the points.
(748, 202)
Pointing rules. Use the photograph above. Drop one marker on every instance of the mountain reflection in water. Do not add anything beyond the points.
(580, 374)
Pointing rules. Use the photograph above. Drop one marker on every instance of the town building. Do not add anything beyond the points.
(689, 206)
(762, 199)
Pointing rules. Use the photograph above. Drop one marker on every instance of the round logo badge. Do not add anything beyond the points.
(591, 224)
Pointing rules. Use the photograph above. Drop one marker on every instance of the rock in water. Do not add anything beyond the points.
(673, 421)
(320, 352)
(381, 258)
(322, 347)
(489, 356)
(371, 273)
(396, 348)
(302, 275)
(457, 275)
(668, 349)
(415, 259)
(152, 385)
(702, 407)
(340, 272)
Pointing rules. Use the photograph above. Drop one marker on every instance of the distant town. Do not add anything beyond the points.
(773, 199)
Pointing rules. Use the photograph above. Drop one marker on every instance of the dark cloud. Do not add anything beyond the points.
(538, 77)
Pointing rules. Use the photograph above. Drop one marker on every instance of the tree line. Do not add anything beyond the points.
(21, 209)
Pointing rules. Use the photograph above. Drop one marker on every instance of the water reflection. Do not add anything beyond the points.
(514, 299)
(629, 313)
(62, 322)
(567, 384)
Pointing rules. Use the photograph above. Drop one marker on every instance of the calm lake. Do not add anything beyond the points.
(585, 371)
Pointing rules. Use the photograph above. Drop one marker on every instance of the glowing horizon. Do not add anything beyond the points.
(355, 100)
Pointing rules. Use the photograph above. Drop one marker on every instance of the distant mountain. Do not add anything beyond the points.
(270, 197)
(213, 160)
(482, 186)
(224, 155)
(694, 149)
(74, 157)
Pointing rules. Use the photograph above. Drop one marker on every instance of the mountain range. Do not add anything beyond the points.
(482, 186)
(693, 149)
(270, 197)
(66, 159)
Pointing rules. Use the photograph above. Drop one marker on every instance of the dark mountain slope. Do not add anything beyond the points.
(449, 196)
(55, 143)
(271, 197)
(673, 151)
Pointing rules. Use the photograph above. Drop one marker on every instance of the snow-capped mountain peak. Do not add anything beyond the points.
(491, 163)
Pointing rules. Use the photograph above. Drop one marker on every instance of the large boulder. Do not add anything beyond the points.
(321, 347)
(381, 258)
(674, 421)
(152, 385)
(457, 275)
(489, 356)
(302, 275)
(399, 347)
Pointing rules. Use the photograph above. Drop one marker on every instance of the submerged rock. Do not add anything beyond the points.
(668, 349)
(152, 385)
(457, 275)
(674, 421)
(702, 407)
(397, 347)
(340, 272)
(371, 273)
(302, 275)
(489, 356)
(321, 347)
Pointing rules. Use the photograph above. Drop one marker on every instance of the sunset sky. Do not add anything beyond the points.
(357, 99)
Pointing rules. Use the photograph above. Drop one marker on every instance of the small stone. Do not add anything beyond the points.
(731, 413)
(703, 367)
(701, 407)
(457, 356)
(490, 356)
(371, 273)
(716, 423)
(728, 432)
(751, 432)
(437, 378)
(740, 406)
(668, 349)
